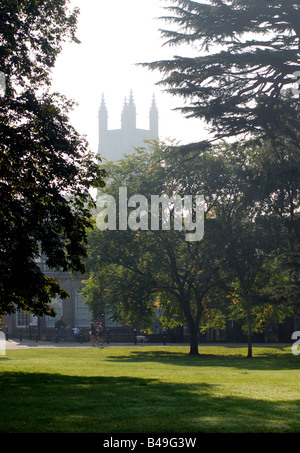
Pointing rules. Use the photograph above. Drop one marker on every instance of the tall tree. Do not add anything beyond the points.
(247, 52)
(247, 271)
(46, 167)
(133, 271)
(277, 182)
(245, 229)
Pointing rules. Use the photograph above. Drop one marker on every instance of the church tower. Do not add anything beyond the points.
(113, 144)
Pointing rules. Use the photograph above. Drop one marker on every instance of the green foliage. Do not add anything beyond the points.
(32, 33)
(136, 269)
(245, 55)
(231, 273)
(46, 168)
(239, 82)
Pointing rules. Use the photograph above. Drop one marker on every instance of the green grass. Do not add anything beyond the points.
(150, 390)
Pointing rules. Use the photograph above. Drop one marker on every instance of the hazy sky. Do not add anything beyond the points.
(115, 35)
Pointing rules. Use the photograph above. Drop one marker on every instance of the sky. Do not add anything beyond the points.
(115, 36)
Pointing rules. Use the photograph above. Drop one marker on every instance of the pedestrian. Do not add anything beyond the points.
(76, 333)
(92, 333)
(61, 326)
(99, 333)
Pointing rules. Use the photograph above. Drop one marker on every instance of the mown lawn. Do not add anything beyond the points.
(150, 390)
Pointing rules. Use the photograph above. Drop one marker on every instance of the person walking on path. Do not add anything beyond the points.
(99, 333)
(61, 327)
(92, 333)
(76, 333)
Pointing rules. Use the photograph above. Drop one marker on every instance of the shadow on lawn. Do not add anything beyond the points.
(260, 361)
(57, 403)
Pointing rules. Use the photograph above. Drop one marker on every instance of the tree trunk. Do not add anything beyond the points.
(194, 340)
(249, 335)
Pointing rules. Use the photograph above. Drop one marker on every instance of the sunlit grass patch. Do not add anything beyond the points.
(150, 389)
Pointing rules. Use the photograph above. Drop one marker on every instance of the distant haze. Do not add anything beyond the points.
(115, 36)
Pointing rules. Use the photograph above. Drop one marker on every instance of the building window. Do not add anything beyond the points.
(24, 319)
(82, 312)
(57, 305)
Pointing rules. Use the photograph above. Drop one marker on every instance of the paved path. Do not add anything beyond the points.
(25, 344)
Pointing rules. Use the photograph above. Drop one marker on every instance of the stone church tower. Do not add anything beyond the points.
(114, 143)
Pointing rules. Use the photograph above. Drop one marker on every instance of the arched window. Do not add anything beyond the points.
(82, 312)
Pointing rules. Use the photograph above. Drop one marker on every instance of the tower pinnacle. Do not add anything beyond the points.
(103, 117)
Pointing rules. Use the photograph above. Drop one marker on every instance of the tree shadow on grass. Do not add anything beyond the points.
(57, 403)
(262, 361)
